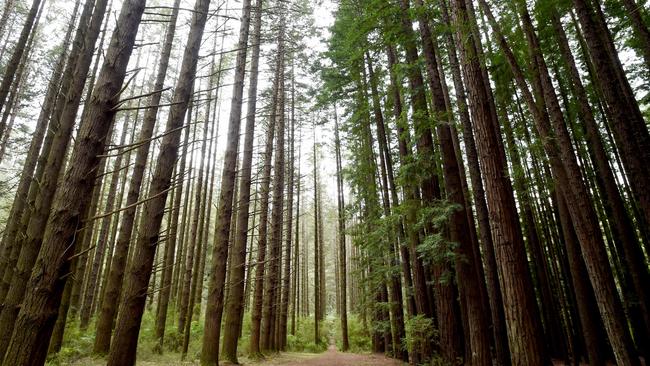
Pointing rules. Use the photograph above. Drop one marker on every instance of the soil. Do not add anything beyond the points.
(332, 357)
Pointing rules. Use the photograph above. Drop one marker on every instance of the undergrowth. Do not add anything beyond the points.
(78, 344)
(358, 337)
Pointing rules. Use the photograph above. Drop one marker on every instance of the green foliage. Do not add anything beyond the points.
(420, 332)
(358, 337)
(303, 340)
(77, 344)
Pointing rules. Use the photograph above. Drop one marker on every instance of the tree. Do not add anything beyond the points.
(234, 306)
(115, 276)
(524, 328)
(39, 308)
(210, 353)
(124, 343)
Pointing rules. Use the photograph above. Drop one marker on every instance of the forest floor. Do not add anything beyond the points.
(331, 357)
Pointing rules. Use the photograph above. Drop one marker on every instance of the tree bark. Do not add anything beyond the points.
(31, 242)
(9, 72)
(269, 308)
(234, 306)
(210, 348)
(124, 343)
(627, 123)
(113, 290)
(566, 172)
(256, 313)
(38, 312)
(524, 327)
(341, 239)
(20, 202)
(100, 247)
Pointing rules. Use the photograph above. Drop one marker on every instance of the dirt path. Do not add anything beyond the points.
(331, 357)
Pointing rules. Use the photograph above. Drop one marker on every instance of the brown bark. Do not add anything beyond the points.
(210, 348)
(30, 244)
(396, 307)
(100, 247)
(269, 308)
(124, 343)
(627, 123)
(404, 151)
(234, 306)
(485, 233)
(524, 327)
(590, 322)
(620, 221)
(190, 245)
(256, 313)
(297, 305)
(567, 173)
(87, 231)
(466, 268)
(20, 202)
(196, 242)
(13, 104)
(445, 304)
(341, 239)
(419, 302)
(187, 203)
(286, 277)
(10, 70)
(317, 263)
(39, 309)
(113, 291)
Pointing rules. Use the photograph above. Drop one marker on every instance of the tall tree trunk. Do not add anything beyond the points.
(20, 202)
(100, 247)
(485, 233)
(445, 297)
(317, 264)
(404, 251)
(297, 266)
(524, 327)
(590, 322)
(192, 280)
(345, 342)
(113, 290)
(234, 306)
(396, 307)
(124, 343)
(38, 312)
(286, 277)
(627, 122)
(10, 70)
(269, 313)
(255, 347)
(30, 243)
(618, 216)
(210, 348)
(567, 173)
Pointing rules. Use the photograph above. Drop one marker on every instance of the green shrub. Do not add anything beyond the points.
(358, 337)
(303, 340)
(420, 332)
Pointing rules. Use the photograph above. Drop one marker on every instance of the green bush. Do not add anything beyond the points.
(358, 337)
(420, 332)
(303, 340)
